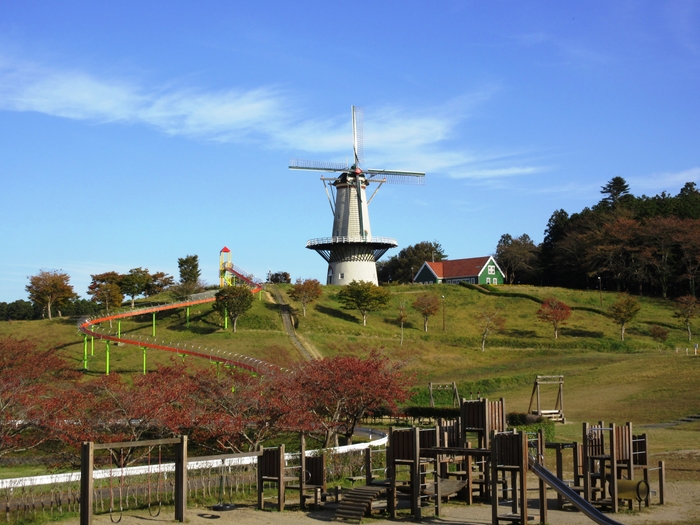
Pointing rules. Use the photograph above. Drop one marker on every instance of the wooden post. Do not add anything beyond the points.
(181, 480)
(662, 482)
(522, 474)
(86, 482)
(368, 466)
(302, 470)
(586, 464)
(543, 485)
(613, 470)
(415, 474)
(261, 484)
(391, 474)
(280, 483)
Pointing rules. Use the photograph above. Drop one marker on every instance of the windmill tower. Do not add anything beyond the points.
(351, 251)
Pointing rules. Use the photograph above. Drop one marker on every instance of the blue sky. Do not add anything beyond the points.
(134, 133)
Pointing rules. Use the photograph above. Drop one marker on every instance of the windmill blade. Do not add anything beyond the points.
(397, 176)
(316, 165)
(358, 124)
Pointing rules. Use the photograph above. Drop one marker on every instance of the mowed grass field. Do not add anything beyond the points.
(640, 380)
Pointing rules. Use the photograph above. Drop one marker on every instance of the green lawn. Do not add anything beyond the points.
(639, 380)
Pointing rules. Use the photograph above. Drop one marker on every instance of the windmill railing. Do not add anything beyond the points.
(356, 239)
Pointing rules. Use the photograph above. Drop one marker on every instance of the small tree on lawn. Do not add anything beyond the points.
(135, 283)
(306, 292)
(402, 318)
(363, 296)
(554, 312)
(489, 320)
(687, 308)
(426, 304)
(623, 311)
(50, 288)
(233, 301)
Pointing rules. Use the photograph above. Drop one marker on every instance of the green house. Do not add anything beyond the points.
(476, 270)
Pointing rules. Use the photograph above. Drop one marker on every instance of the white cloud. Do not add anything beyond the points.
(395, 138)
(670, 182)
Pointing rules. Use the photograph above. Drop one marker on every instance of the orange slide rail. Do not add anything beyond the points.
(90, 326)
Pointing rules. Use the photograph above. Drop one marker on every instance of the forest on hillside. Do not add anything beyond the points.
(642, 245)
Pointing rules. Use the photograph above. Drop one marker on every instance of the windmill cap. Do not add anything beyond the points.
(225, 250)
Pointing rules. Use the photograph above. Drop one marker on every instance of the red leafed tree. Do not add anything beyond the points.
(554, 312)
(114, 409)
(237, 410)
(426, 304)
(306, 292)
(337, 392)
(29, 382)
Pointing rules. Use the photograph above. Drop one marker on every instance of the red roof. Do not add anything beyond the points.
(458, 267)
(225, 250)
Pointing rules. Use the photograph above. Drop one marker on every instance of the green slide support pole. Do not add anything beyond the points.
(92, 346)
(85, 357)
(107, 360)
(119, 328)
(153, 332)
(144, 360)
(225, 318)
(188, 316)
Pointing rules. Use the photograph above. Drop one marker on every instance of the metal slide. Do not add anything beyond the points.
(577, 501)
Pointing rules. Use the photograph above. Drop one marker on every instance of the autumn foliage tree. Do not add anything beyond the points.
(489, 320)
(306, 292)
(240, 410)
(687, 308)
(31, 383)
(105, 290)
(337, 392)
(49, 289)
(554, 312)
(427, 305)
(623, 311)
(363, 296)
(233, 301)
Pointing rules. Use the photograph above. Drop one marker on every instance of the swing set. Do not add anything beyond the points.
(117, 476)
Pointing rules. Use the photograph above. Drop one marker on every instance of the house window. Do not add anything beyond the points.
(488, 280)
(492, 270)
(342, 276)
(495, 280)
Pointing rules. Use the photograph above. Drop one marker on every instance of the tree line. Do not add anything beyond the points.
(642, 245)
(50, 292)
(44, 404)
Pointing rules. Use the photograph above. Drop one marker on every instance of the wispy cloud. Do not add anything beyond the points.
(395, 137)
(670, 182)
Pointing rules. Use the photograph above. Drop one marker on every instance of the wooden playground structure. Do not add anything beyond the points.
(471, 457)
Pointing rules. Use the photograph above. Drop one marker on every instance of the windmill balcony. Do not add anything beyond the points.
(350, 240)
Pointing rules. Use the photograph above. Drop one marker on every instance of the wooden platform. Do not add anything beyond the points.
(358, 502)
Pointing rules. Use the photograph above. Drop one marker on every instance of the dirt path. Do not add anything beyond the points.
(305, 348)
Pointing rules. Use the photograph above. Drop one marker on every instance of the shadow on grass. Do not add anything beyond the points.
(338, 314)
(520, 333)
(408, 325)
(577, 332)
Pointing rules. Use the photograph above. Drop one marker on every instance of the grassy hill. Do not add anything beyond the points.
(637, 380)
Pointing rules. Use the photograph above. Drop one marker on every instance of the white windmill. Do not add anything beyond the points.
(352, 251)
